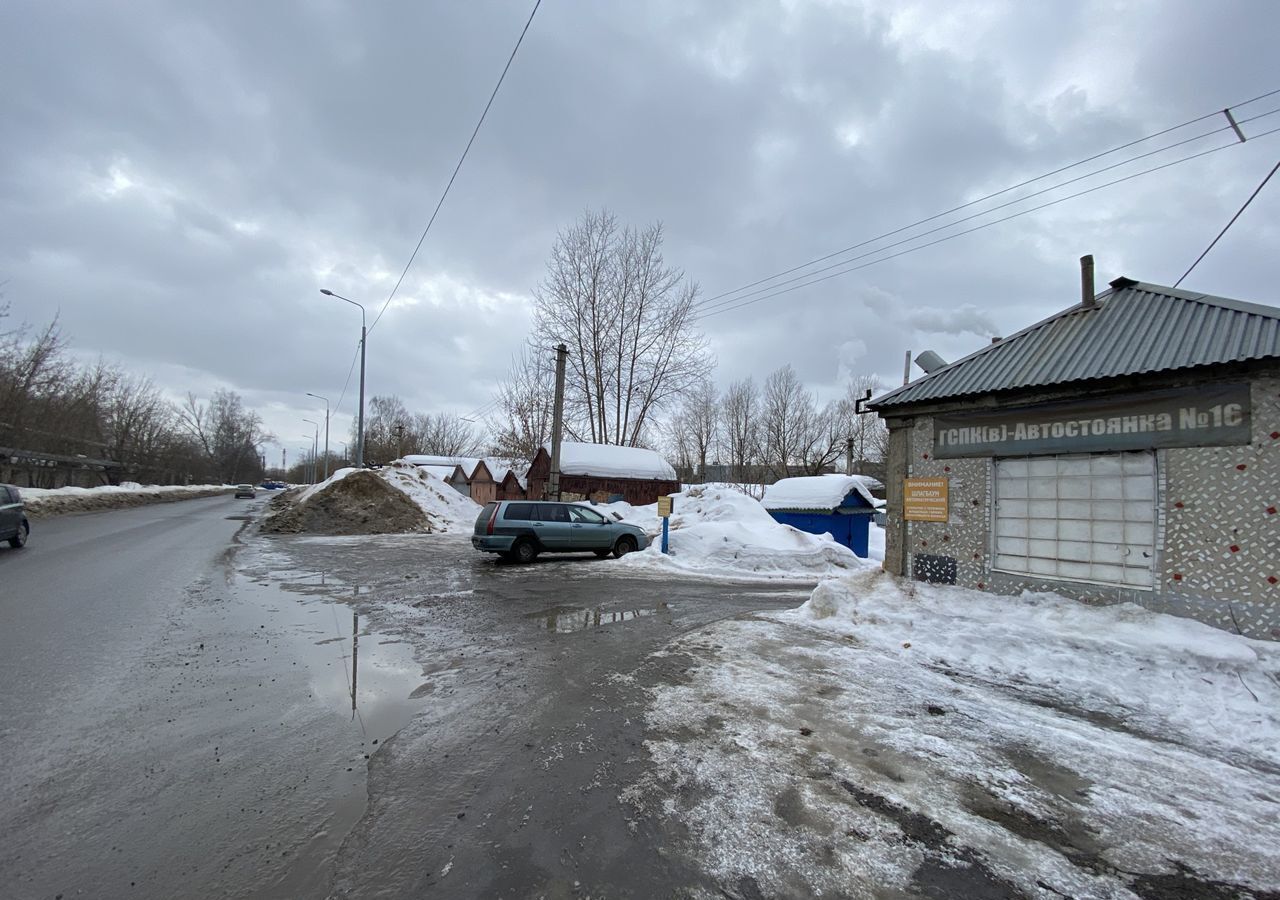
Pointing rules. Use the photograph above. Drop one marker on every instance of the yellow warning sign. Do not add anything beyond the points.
(664, 507)
(924, 499)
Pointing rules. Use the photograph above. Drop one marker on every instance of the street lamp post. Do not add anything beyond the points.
(326, 431)
(315, 449)
(363, 341)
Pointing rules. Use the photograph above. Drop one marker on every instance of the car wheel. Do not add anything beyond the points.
(602, 553)
(524, 551)
(624, 546)
(19, 540)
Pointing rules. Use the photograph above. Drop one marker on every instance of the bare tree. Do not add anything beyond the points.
(443, 434)
(740, 415)
(522, 421)
(787, 421)
(866, 429)
(628, 321)
(227, 433)
(694, 431)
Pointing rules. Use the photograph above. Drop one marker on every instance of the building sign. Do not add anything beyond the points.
(664, 507)
(924, 499)
(1204, 416)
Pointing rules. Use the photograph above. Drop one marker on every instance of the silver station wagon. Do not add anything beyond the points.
(521, 529)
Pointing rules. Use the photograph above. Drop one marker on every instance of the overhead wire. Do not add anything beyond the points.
(980, 214)
(709, 301)
(984, 225)
(1214, 242)
(458, 167)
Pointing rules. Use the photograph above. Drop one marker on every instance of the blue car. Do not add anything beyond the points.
(519, 530)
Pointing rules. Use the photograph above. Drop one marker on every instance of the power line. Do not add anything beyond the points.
(990, 196)
(982, 226)
(707, 309)
(338, 405)
(1255, 193)
(458, 167)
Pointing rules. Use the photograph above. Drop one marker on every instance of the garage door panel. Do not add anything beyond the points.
(1084, 517)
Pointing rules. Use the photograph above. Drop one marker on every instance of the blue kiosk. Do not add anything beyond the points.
(839, 505)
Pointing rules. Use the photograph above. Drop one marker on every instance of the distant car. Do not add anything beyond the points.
(245, 490)
(14, 526)
(272, 485)
(521, 529)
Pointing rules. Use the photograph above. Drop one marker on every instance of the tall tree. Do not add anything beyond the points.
(740, 415)
(521, 423)
(228, 433)
(628, 321)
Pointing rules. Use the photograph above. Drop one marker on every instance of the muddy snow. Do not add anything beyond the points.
(890, 736)
(396, 499)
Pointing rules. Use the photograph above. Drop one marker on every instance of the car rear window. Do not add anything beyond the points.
(523, 511)
(483, 518)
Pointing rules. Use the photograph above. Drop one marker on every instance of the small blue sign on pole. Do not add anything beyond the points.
(665, 505)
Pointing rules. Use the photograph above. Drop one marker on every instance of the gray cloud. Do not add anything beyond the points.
(178, 182)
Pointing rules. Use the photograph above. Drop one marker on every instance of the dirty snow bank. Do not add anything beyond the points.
(719, 532)
(45, 502)
(1161, 672)
(396, 499)
(905, 736)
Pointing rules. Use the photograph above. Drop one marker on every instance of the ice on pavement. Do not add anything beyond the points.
(888, 728)
(719, 532)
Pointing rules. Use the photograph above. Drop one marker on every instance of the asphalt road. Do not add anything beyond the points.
(178, 717)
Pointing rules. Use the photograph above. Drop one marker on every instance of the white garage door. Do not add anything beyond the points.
(1086, 517)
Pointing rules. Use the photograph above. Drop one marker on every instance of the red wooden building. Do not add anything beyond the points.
(603, 472)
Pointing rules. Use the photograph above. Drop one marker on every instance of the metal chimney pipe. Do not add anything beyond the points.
(1086, 281)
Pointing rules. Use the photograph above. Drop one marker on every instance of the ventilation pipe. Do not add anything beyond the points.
(1086, 282)
(930, 362)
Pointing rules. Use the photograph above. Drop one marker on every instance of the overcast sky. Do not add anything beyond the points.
(178, 181)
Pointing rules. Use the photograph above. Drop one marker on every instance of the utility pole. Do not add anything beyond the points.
(326, 431)
(399, 440)
(848, 456)
(557, 424)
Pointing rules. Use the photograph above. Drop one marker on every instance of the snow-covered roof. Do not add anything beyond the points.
(609, 461)
(445, 472)
(816, 492)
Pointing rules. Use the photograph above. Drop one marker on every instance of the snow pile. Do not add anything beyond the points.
(43, 502)
(903, 735)
(720, 532)
(609, 461)
(396, 499)
(816, 492)
(1161, 671)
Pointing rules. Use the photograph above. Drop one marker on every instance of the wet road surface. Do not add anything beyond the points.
(178, 720)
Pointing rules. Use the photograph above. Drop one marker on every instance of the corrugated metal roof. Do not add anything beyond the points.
(1134, 328)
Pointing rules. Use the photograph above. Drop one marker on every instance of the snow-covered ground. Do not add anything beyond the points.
(54, 501)
(890, 735)
(717, 531)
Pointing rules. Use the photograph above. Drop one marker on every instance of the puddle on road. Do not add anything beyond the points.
(320, 584)
(568, 619)
(369, 682)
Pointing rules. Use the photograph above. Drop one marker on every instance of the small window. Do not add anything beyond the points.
(588, 516)
(553, 512)
(521, 511)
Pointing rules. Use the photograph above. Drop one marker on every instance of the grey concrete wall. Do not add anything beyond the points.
(1218, 525)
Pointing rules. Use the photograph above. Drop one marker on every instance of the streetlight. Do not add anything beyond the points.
(363, 340)
(326, 431)
(315, 446)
